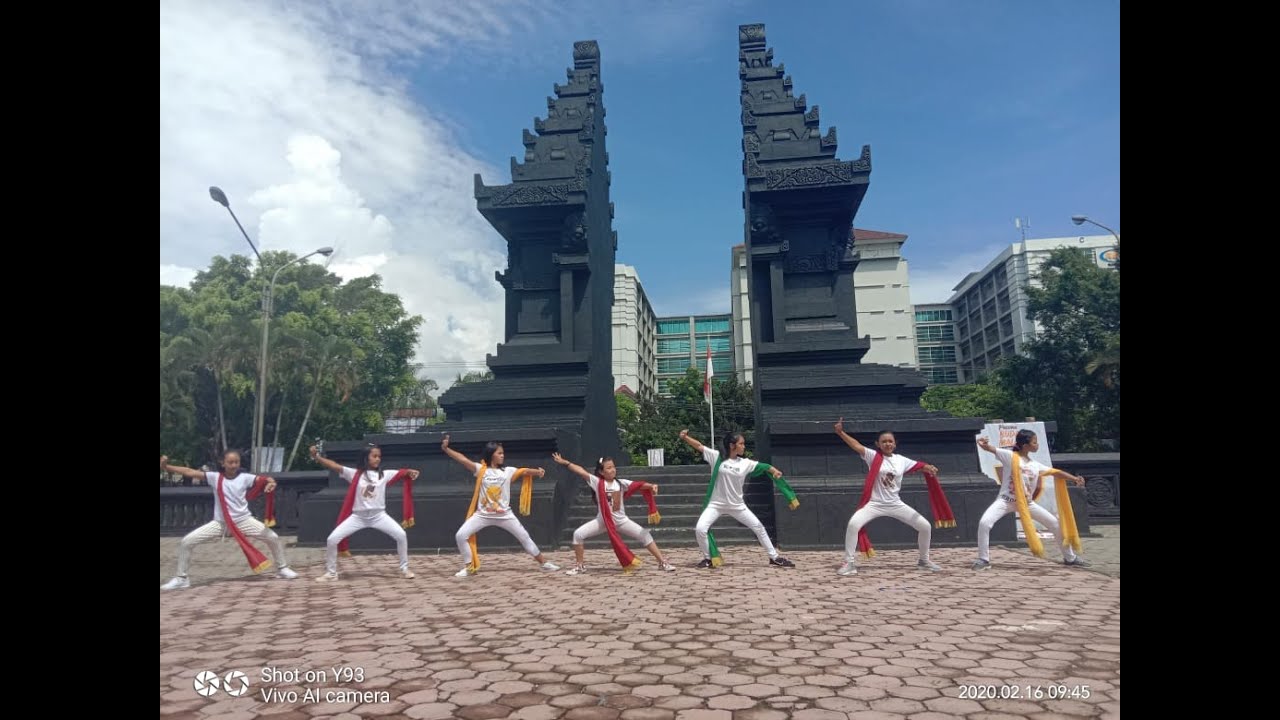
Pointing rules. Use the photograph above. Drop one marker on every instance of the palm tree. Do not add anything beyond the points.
(221, 350)
(176, 359)
(329, 358)
(288, 353)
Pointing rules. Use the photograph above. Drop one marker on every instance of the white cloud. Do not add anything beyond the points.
(176, 275)
(934, 283)
(317, 145)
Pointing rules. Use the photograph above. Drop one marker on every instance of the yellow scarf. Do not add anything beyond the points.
(1066, 517)
(525, 507)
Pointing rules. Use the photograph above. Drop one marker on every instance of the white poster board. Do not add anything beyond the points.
(1002, 435)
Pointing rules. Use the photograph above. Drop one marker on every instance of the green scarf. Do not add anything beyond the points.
(780, 482)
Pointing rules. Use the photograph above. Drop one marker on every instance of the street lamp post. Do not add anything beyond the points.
(260, 406)
(220, 197)
(1081, 219)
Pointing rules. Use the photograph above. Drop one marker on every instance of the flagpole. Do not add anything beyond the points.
(711, 392)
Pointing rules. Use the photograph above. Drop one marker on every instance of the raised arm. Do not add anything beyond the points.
(693, 442)
(985, 444)
(183, 471)
(574, 468)
(848, 439)
(462, 459)
(324, 462)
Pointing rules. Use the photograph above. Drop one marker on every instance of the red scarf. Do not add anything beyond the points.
(260, 484)
(626, 558)
(350, 502)
(938, 505)
(647, 490)
(257, 561)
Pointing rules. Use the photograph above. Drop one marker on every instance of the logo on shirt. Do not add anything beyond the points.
(492, 500)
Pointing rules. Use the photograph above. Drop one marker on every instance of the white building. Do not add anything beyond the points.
(882, 296)
(634, 334)
(990, 305)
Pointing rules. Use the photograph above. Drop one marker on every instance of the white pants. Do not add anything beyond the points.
(898, 511)
(1002, 507)
(213, 530)
(356, 521)
(507, 522)
(742, 514)
(627, 527)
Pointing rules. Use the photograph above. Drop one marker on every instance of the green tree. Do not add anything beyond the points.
(983, 399)
(657, 423)
(345, 347)
(474, 376)
(1070, 372)
(327, 362)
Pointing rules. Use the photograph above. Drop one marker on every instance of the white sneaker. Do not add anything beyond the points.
(327, 577)
(930, 566)
(667, 567)
(466, 571)
(550, 566)
(178, 583)
(576, 570)
(285, 573)
(407, 574)
(848, 568)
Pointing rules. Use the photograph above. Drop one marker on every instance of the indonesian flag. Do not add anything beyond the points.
(706, 384)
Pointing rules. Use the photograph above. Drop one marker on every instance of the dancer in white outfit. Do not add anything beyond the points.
(1022, 478)
(724, 497)
(881, 498)
(366, 507)
(232, 491)
(614, 489)
(491, 505)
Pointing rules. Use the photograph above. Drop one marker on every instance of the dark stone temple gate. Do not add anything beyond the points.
(552, 386)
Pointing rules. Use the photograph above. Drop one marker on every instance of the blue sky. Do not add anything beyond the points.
(360, 125)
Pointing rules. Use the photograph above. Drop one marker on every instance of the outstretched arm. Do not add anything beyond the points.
(693, 442)
(261, 484)
(324, 462)
(848, 439)
(783, 486)
(773, 472)
(574, 468)
(183, 471)
(985, 444)
(462, 459)
(1076, 479)
(411, 474)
